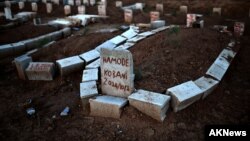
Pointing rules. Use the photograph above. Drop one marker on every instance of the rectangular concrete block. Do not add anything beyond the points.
(107, 106)
(216, 71)
(183, 95)
(88, 89)
(55, 35)
(107, 44)
(70, 64)
(22, 63)
(90, 75)
(152, 104)
(90, 56)
(207, 85)
(136, 39)
(18, 47)
(40, 71)
(228, 54)
(125, 46)
(6, 50)
(95, 64)
(118, 40)
(130, 33)
(7, 12)
(66, 32)
(222, 62)
(146, 34)
(160, 29)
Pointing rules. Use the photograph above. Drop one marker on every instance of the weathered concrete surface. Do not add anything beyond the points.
(22, 63)
(107, 106)
(90, 75)
(158, 24)
(152, 104)
(90, 56)
(118, 40)
(222, 62)
(70, 64)
(217, 10)
(40, 71)
(93, 65)
(184, 95)
(159, 7)
(88, 89)
(216, 71)
(117, 72)
(184, 9)
(228, 54)
(6, 50)
(66, 32)
(146, 34)
(136, 39)
(125, 46)
(132, 32)
(107, 44)
(207, 85)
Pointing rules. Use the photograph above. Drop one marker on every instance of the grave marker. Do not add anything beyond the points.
(117, 77)
(154, 16)
(67, 9)
(217, 10)
(159, 7)
(21, 5)
(81, 9)
(118, 4)
(239, 28)
(128, 15)
(71, 2)
(57, 2)
(7, 12)
(86, 2)
(49, 7)
(22, 63)
(102, 10)
(92, 2)
(183, 9)
(78, 2)
(34, 6)
(40, 71)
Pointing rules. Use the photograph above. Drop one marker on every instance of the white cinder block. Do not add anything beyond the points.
(90, 75)
(40, 71)
(107, 44)
(118, 40)
(207, 85)
(125, 46)
(129, 33)
(160, 29)
(90, 56)
(222, 62)
(157, 24)
(107, 106)
(22, 63)
(70, 64)
(216, 71)
(184, 95)
(228, 54)
(152, 104)
(88, 89)
(136, 39)
(95, 64)
(146, 34)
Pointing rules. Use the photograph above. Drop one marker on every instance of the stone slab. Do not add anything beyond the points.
(157, 24)
(70, 64)
(152, 104)
(146, 34)
(130, 33)
(55, 35)
(88, 89)
(66, 32)
(95, 64)
(183, 95)
(90, 75)
(22, 63)
(136, 39)
(216, 71)
(107, 106)
(117, 75)
(207, 85)
(90, 56)
(228, 54)
(125, 46)
(40, 71)
(7, 12)
(183, 9)
(107, 44)
(160, 29)
(118, 40)
(222, 62)
(101, 10)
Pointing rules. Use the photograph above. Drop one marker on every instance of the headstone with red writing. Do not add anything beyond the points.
(128, 15)
(154, 16)
(239, 28)
(40, 71)
(81, 9)
(117, 76)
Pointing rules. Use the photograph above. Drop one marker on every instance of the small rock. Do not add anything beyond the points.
(149, 132)
(65, 112)
(31, 111)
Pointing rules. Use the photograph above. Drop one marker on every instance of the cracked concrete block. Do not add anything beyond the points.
(90, 56)
(22, 63)
(136, 39)
(70, 64)
(207, 85)
(222, 62)
(183, 95)
(95, 64)
(125, 46)
(152, 104)
(40, 71)
(107, 106)
(90, 75)
(118, 40)
(107, 44)
(216, 71)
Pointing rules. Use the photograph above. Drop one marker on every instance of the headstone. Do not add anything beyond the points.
(7, 12)
(139, 6)
(118, 3)
(71, 2)
(21, 4)
(78, 2)
(65, 2)
(102, 10)
(207, 85)
(159, 7)
(34, 6)
(239, 28)
(86, 2)
(184, 9)
(183, 95)
(117, 77)
(40, 71)
(152, 104)
(90, 75)
(67, 9)
(7, 3)
(191, 18)
(128, 15)
(49, 7)
(57, 2)
(44, 1)
(217, 11)
(154, 16)
(81, 9)
(22, 63)
(70, 64)
(107, 106)
(92, 2)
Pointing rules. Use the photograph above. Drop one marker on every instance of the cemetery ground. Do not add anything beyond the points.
(161, 61)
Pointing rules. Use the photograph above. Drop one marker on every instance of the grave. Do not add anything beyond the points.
(22, 63)
(154, 16)
(40, 71)
(128, 15)
(49, 7)
(117, 77)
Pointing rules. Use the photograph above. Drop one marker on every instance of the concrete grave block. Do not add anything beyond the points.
(71, 2)
(49, 7)
(183, 95)
(107, 44)
(216, 71)
(70, 64)
(7, 12)
(34, 6)
(217, 10)
(117, 72)
(107, 106)
(128, 15)
(136, 39)
(102, 10)
(222, 62)
(40, 71)
(90, 75)
(207, 85)
(66, 32)
(228, 54)
(130, 33)
(22, 63)
(18, 47)
(90, 56)
(239, 28)
(146, 34)
(78, 2)
(95, 64)
(6, 50)
(21, 5)
(118, 3)
(125, 46)
(81, 9)
(160, 29)
(86, 2)
(87, 90)
(158, 24)
(152, 104)
(118, 40)
(67, 9)
(92, 2)
(154, 16)
(159, 7)
(184, 9)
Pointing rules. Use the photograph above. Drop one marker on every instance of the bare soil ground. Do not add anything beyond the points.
(160, 60)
